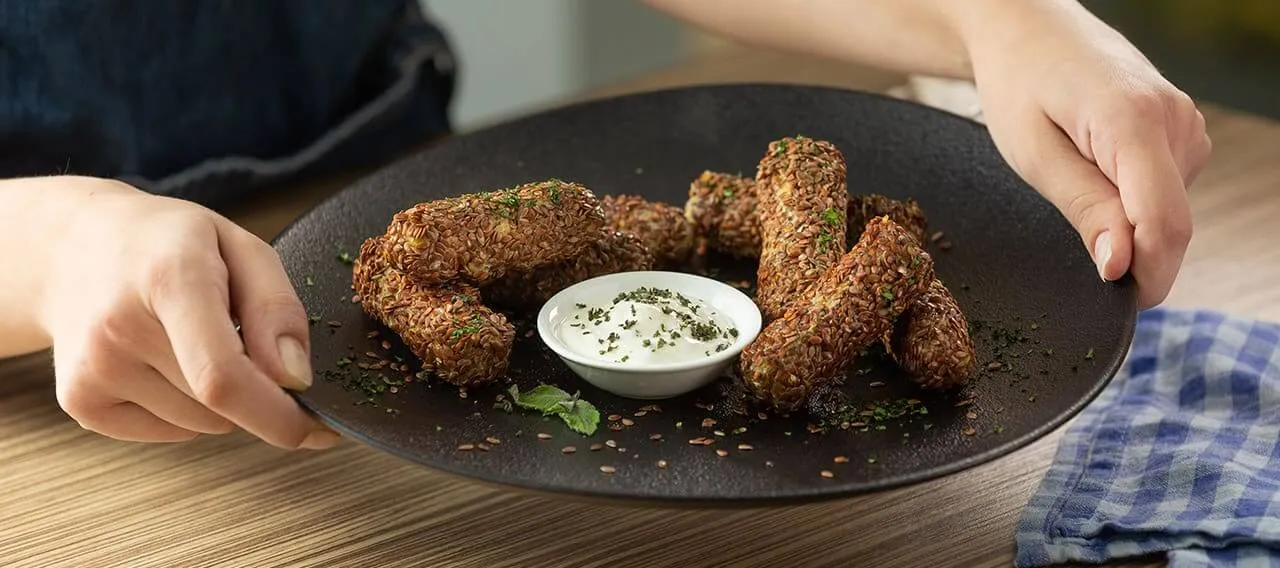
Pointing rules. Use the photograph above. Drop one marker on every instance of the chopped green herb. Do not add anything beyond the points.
(831, 216)
(473, 325)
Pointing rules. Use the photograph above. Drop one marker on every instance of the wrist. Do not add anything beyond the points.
(35, 215)
(995, 28)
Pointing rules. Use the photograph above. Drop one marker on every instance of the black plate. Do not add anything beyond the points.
(1017, 268)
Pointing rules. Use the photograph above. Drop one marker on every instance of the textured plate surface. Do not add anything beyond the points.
(1016, 267)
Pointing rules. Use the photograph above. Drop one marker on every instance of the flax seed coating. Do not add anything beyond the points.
(723, 212)
(850, 307)
(660, 226)
(908, 214)
(479, 237)
(722, 209)
(456, 337)
(931, 341)
(800, 183)
(611, 252)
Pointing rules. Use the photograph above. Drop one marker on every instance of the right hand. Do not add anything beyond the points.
(139, 302)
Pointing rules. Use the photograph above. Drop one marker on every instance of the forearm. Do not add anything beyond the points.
(908, 36)
(927, 37)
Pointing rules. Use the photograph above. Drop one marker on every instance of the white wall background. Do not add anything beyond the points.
(517, 55)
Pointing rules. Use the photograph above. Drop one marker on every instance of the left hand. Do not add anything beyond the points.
(1088, 121)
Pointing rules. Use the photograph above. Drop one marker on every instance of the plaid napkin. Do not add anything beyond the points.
(1180, 454)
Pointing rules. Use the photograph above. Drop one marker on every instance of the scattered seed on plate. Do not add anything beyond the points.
(708, 422)
(971, 415)
(371, 334)
(385, 344)
(968, 431)
(679, 424)
(722, 453)
(628, 422)
(614, 418)
(595, 447)
(762, 416)
(622, 450)
(841, 459)
(655, 437)
(568, 449)
(466, 447)
(482, 447)
(607, 469)
(355, 299)
(493, 441)
(936, 237)
(544, 436)
(611, 443)
(662, 464)
(718, 433)
(739, 430)
(640, 413)
(827, 473)
(876, 384)
(746, 447)
(768, 463)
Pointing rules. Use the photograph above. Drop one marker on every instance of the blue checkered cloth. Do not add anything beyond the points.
(1179, 455)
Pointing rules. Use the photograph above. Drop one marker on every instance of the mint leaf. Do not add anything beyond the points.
(543, 398)
(581, 416)
(583, 419)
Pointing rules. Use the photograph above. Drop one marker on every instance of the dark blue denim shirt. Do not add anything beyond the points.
(211, 99)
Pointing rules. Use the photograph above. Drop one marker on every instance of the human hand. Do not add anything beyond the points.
(139, 302)
(1088, 121)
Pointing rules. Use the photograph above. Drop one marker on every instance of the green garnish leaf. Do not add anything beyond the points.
(583, 419)
(581, 416)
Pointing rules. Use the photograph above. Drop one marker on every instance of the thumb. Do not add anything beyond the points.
(272, 319)
(1090, 202)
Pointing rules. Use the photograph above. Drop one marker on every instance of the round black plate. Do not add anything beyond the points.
(1016, 267)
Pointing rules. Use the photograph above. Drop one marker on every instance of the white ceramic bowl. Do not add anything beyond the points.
(650, 380)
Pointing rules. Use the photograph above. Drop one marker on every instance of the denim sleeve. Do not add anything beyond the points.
(214, 99)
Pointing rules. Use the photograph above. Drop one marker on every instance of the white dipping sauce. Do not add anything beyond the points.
(646, 325)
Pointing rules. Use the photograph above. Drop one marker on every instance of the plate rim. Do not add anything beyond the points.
(1107, 373)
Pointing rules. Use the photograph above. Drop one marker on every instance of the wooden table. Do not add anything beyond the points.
(70, 498)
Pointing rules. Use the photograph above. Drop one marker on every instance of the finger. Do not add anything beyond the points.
(272, 319)
(131, 423)
(84, 375)
(1085, 197)
(1155, 200)
(194, 309)
(147, 388)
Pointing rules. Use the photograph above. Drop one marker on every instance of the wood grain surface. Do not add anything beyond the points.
(71, 498)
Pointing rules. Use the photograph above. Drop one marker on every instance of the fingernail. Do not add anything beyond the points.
(296, 363)
(1102, 253)
(320, 440)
